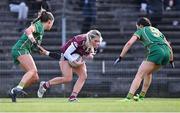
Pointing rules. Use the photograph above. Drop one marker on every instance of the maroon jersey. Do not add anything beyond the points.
(79, 42)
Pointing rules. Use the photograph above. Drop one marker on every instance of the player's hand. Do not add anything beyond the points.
(117, 60)
(90, 56)
(172, 64)
(42, 50)
(36, 45)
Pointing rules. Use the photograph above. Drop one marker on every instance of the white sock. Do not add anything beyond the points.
(20, 87)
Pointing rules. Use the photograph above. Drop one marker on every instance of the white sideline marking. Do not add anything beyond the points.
(89, 112)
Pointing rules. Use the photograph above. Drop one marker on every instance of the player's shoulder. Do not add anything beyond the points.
(80, 39)
(37, 22)
(39, 26)
(139, 31)
(151, 28)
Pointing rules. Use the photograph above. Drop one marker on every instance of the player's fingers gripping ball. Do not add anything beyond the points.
(78, 60)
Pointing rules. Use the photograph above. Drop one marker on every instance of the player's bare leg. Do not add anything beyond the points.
(146, 84)
(67, 77)
(145, 68)
(28, 64)
(81, 71)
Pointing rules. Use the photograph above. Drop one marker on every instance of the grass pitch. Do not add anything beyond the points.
(89, 105)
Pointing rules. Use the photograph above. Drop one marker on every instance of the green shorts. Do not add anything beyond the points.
(18, 52)
(159, 54)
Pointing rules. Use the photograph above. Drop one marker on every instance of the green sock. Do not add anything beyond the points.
(129, 96)
(142, 94)
(21, 85)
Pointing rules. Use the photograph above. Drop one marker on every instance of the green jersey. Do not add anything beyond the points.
(150, 36)
(25, 43)
(158, 51)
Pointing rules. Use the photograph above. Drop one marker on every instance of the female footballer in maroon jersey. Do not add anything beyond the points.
(84, 45)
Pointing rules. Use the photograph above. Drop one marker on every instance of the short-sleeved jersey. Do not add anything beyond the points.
(149, 36)
(158, 51)
(79, 42)
(25, 43)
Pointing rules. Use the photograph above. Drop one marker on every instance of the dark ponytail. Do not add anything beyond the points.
(44, 16)
(143, 21)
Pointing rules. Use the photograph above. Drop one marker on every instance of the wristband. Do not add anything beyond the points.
(47, 53)
(31, 37)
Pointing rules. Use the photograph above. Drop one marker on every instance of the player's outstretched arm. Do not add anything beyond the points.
(126, 48)
(51, 54)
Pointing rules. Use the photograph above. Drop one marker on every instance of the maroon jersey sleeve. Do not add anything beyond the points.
(79, 40)
(79, 43)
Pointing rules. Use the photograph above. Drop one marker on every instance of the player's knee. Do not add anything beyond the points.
(67, 79)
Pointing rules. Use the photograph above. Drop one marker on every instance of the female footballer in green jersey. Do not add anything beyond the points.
(27, 44)
(159, 53)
